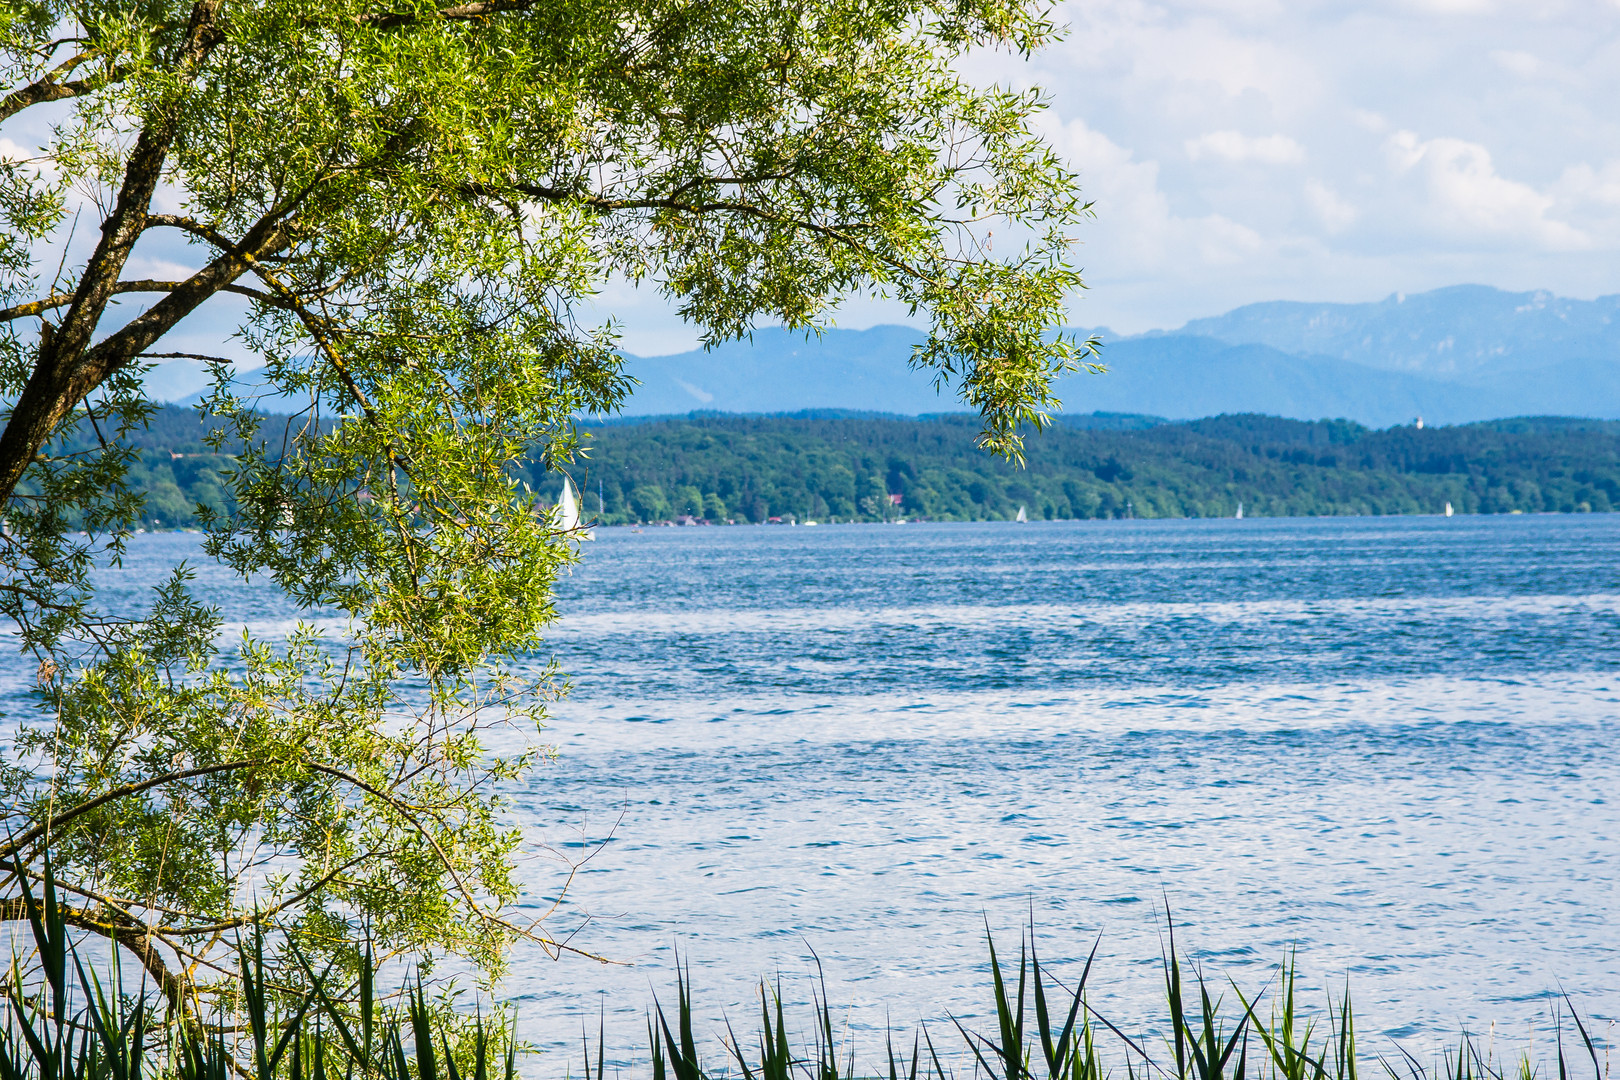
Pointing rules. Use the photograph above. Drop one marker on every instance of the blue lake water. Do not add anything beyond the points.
(1390, 742)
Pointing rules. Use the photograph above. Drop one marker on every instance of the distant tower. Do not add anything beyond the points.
(1420, 423)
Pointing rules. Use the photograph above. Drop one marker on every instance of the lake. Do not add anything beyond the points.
(1388, 742)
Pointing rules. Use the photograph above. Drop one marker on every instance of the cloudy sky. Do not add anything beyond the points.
(1247, 150)
(1244, 150)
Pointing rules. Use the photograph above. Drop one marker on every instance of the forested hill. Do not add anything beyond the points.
(843, 467)
(822, 468)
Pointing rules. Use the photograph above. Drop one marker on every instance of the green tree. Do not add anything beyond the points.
(407, 204)
(689, 500)
(648, 503)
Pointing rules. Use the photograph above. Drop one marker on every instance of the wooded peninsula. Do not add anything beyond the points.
(851, 467)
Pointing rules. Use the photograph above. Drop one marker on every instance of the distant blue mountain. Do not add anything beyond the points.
(1453, 355)
(786, 371)
(1468, 333)
(1183, 377)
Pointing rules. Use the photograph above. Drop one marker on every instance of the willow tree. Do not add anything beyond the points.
(402, 209)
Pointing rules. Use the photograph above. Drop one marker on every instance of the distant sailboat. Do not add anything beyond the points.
(567, 513)
(1448, 510)
(1239, 514)
(1021, 515)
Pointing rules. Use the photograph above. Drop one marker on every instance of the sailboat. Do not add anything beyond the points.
(1021, 515)
(1448, 510)
(567, 513)
(1239, 514)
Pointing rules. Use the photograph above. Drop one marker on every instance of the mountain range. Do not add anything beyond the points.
(1453, 355)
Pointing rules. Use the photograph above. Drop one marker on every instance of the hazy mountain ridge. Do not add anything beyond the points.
(1469, 333)
(1453, 355)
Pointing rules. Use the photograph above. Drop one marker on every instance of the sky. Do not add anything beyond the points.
(1249, 150)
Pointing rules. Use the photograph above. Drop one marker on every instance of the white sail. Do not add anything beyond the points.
(567, 513)
(1021, 515)
(1448, 510)
(1239, 514)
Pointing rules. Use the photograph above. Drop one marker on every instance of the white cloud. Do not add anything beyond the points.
(1335, 214)
(1468, 199)
(1138, 233)
(1236, 146)
(1186, 63)
(703, 396)
(1367, 120)
(1584, 184)
(1451, 7)
(1592, 196)
(1517, 62)
(30, 160)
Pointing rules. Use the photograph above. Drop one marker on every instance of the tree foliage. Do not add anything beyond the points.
(750, 469)
(407, 209)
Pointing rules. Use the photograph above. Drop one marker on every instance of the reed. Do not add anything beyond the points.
(61, 1021)
(1046, 1031)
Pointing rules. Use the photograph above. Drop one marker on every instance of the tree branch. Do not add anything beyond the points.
(64, 371)
(403, 811)
(731, 206)
(390, 20)
(16, 845)
(261, 915)
(47, 88)
(50, 394)
(56, 300)
(132, 935)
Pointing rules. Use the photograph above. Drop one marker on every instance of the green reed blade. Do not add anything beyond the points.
(480, 1047)
(933, 1055)
(1345, 1048)
(104, 1020)
(777, 1060)
(656, 1050)
(973, 1041)
(421, 1020)
(1178, 1021)
(734, 1048)
(45, 922)
(1065, 1050)
(294, 1026)
(684, 1064)
(331, 1012)
(826, 1043)
(47, 1059)
(450, 1069)
(253, 1000)
(1009, 1022)
(1591, 1049)
(11, 1064)
(368, 1003)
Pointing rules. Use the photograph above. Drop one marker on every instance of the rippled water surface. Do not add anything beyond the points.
(1390, 742)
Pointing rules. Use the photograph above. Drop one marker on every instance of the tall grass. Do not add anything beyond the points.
(62, 1021)
(1044, 1030)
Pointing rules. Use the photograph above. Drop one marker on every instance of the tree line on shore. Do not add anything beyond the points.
(870, 468)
